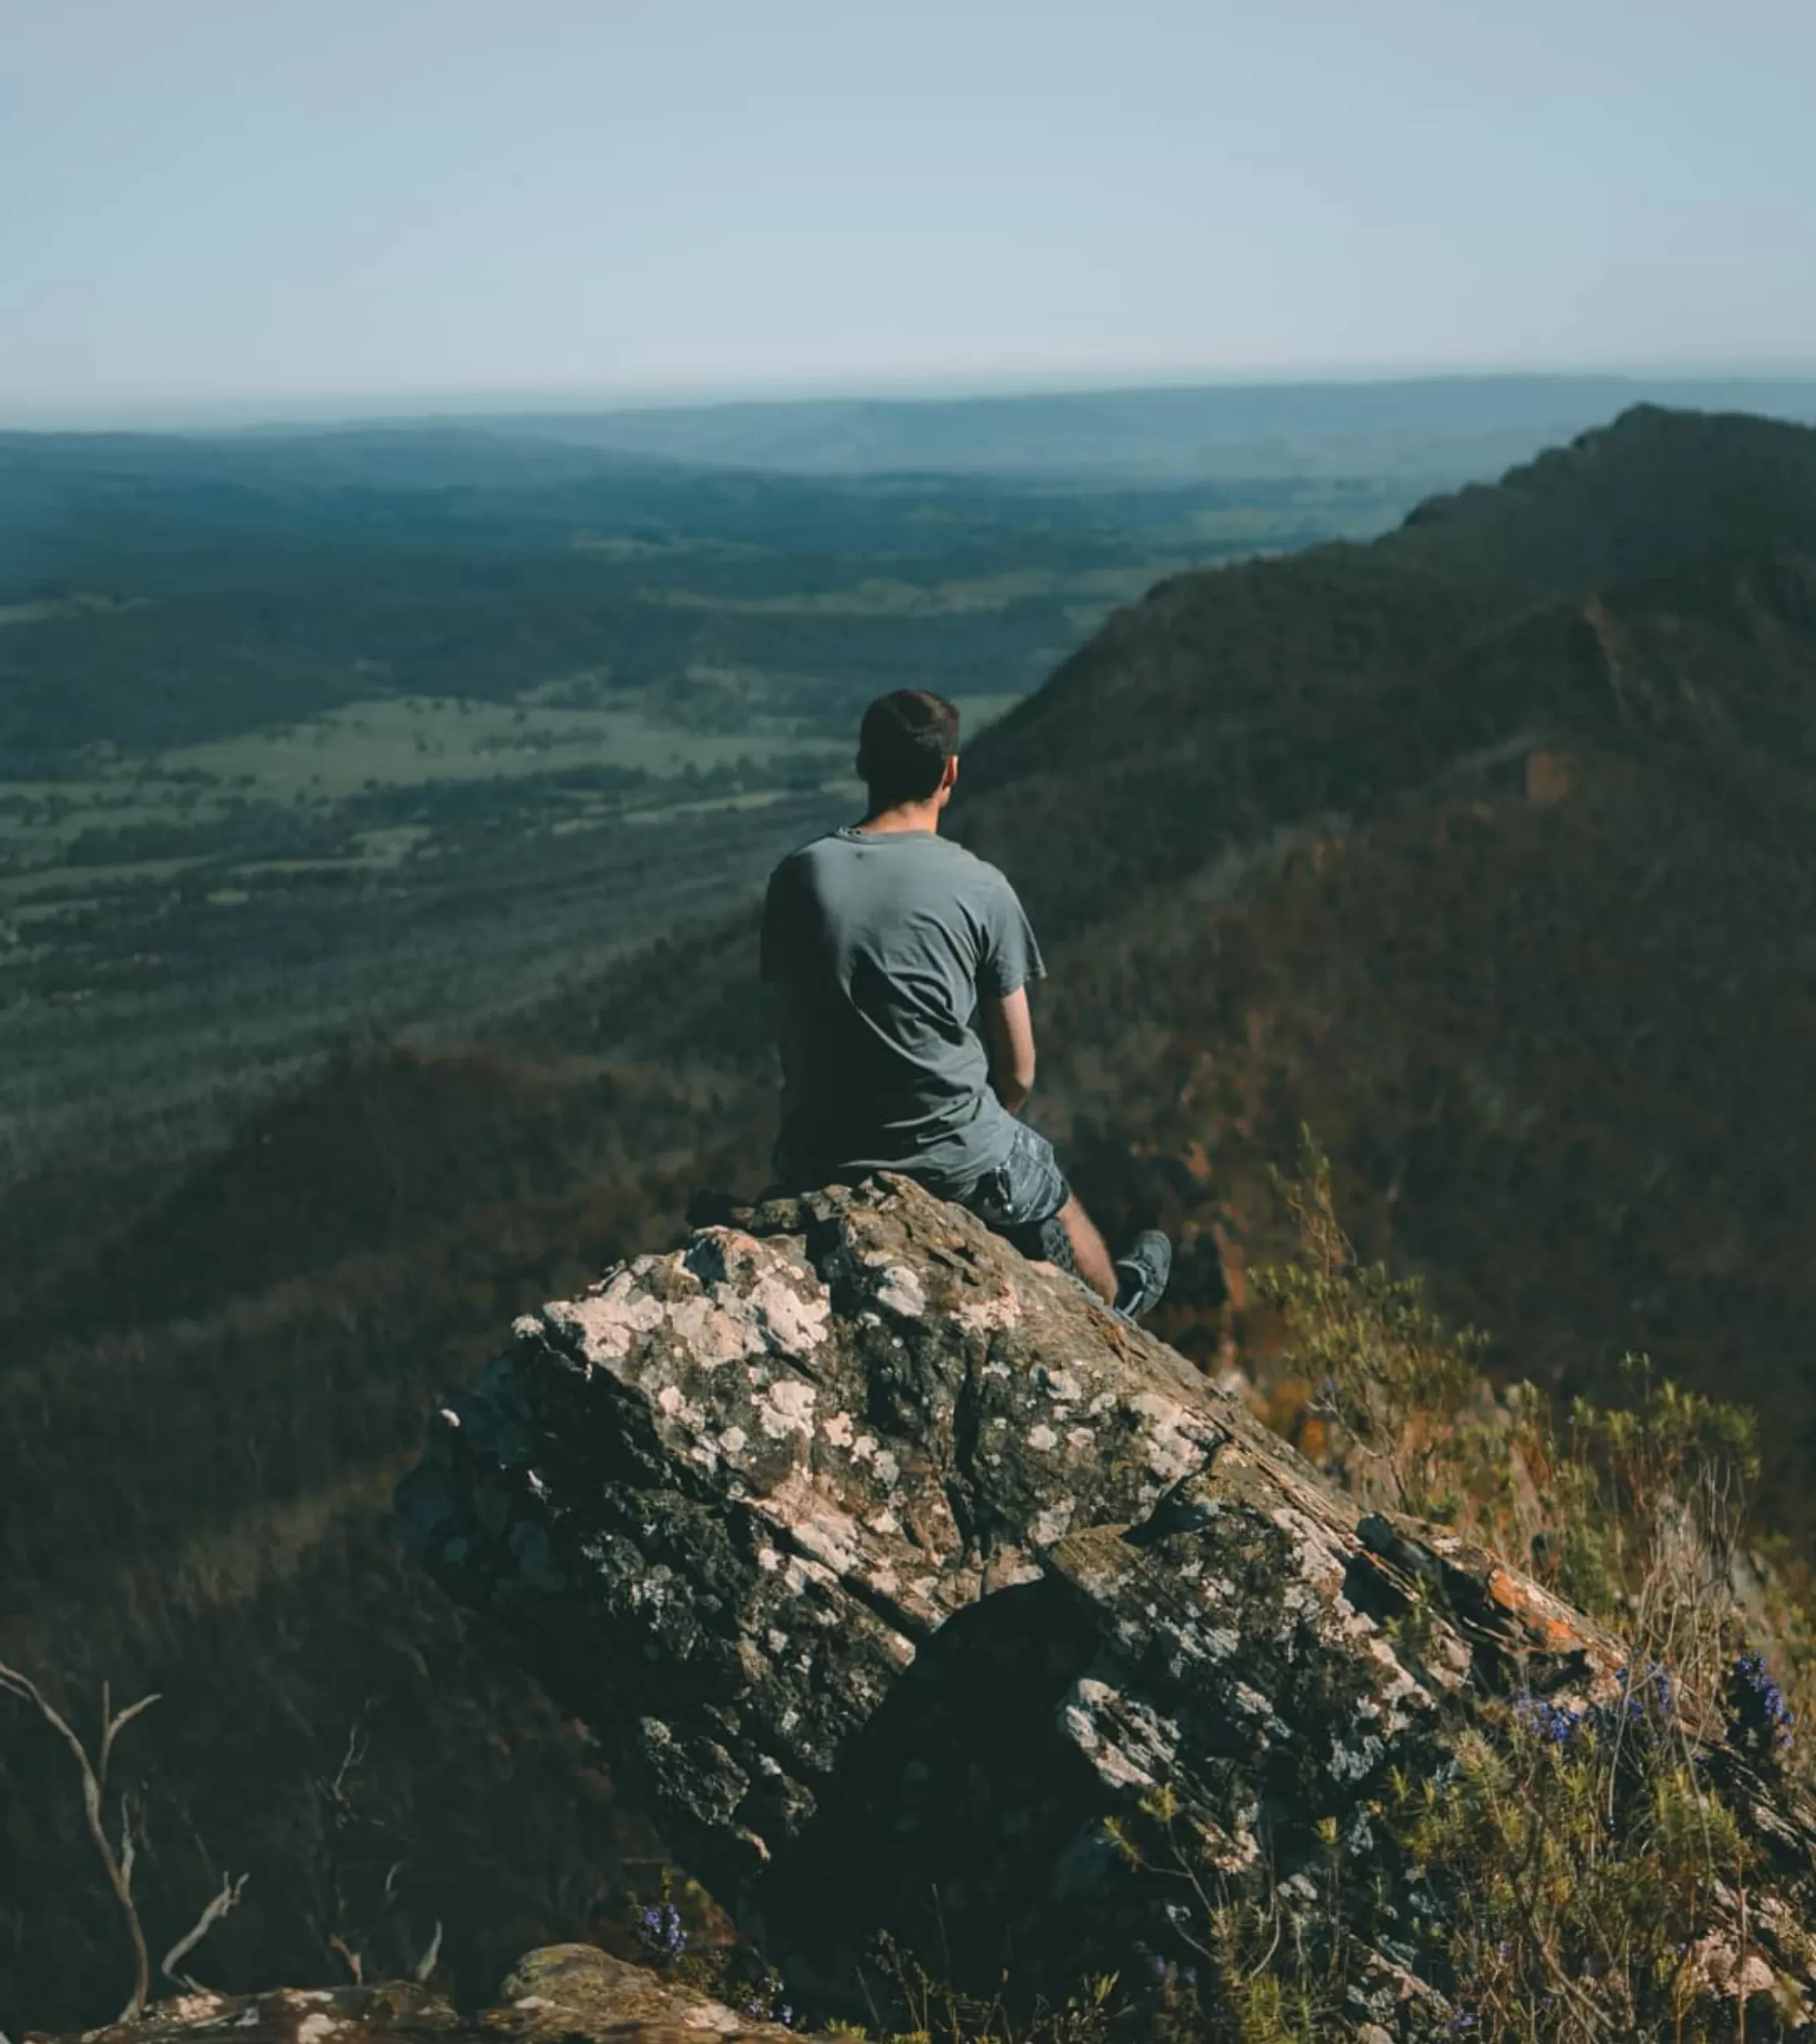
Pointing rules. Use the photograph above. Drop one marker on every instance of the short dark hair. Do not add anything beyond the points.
(903, 744)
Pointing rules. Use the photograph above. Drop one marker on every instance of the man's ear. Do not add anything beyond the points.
(950, 773)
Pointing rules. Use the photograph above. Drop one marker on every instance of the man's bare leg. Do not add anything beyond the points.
(1089, 1251)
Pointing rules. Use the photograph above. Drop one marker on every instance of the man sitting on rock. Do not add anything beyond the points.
(901, 964)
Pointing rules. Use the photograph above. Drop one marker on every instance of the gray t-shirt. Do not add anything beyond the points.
(879, 945)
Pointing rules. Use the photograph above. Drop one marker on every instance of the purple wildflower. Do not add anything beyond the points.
(1543, 1719)
(1759, 1720)
(662, 1924)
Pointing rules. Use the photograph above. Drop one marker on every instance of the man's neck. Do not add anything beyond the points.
(907, 816)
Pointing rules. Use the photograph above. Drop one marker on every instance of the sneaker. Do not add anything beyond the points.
(1142, 1274)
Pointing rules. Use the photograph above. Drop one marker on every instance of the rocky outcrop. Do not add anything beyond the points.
(562, 1995)
(898, 1574)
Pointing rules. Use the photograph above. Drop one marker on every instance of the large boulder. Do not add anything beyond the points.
(898, 1575)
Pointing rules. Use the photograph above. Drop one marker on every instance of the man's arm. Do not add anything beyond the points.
(1009, 1036)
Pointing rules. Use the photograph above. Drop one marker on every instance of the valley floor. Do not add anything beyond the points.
(160, 1028)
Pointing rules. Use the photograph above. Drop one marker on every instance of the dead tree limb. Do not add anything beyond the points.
(118, 1866)
(426, 1965)
(222, 1905)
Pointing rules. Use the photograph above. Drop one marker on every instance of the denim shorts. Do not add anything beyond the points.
(1021, 1199)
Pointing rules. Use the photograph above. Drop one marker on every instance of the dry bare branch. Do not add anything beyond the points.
(119, 1868)
(223, 1905)
(355, 1753)
(129, 1842)
(112, 1727)
(426, 1965)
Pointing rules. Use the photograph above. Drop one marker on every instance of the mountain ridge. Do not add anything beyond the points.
(1450, 426)
(1336, 628)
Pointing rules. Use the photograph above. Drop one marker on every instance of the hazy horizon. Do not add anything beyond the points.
(237, 214)
(363, 411)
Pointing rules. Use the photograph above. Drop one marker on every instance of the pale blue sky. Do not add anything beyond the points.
(239, 205)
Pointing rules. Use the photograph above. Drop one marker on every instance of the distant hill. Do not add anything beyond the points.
(1441, 429)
